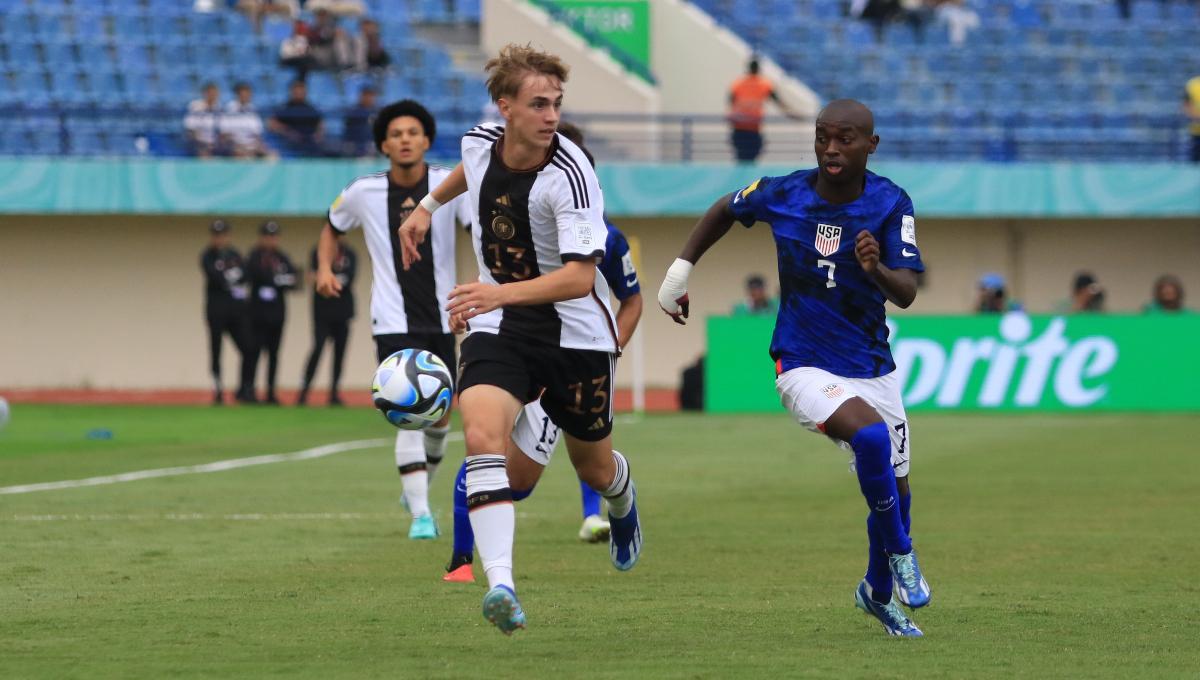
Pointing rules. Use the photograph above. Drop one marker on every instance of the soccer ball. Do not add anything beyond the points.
(412, 389)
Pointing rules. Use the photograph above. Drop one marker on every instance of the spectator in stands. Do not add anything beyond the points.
(242, 127)
(1191, 107)
(879, 13)
(298, 122)
(1086, 295)
(255, 10)
(959, 19)
(358, 137)
(747, 99)
(757, 301)
(993, 296)
(202, 121)
(328, 44)
(1168, 295)
(340, 8)
(368, 51)
(293, 51)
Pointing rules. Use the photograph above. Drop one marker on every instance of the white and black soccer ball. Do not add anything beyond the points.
(412, 389)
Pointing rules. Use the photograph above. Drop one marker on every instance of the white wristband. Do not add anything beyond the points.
(430, 203)
(674, 285)
(679, 271)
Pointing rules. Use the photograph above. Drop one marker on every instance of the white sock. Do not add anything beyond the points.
(410, 461)
(492, 517)
(619, 494)
(435, 448)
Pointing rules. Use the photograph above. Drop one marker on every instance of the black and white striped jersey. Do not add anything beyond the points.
(528, 223)
(410, 301)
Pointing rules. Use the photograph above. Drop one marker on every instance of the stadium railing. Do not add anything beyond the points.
(86, 130)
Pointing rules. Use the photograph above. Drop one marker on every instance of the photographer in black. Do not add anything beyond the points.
(331, 321)
(271, 275)
(225, 305)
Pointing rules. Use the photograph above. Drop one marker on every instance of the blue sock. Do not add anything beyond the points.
(464, 537)
(905, 506)
(590, 498)
(873, 460)
(879, 572)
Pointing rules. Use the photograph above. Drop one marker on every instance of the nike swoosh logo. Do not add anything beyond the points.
(905, 253)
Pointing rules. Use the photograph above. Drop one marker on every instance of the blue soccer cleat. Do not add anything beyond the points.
(625, 538)
(423, 527)
(501, 608)
(894, 621)
(907, 582)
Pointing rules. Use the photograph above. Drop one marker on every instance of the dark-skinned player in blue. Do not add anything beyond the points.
(846, 243)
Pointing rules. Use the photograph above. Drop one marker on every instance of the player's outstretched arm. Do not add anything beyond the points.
(416, 226)
(574, 280)
(672, 295)
(327, 283)
(899, 286)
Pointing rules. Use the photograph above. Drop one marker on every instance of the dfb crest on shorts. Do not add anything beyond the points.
(829, 239)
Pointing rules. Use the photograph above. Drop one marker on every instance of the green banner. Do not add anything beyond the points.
(1014, 362)
(626, 23)
(620, 24)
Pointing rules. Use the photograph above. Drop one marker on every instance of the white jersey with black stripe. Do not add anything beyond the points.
(402, 301)
(527, 224)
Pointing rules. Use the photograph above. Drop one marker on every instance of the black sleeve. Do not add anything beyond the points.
(212, 276)
(290, 269)
(351, 265)
(255, 273)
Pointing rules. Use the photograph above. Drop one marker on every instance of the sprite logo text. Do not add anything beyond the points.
(1016, 367)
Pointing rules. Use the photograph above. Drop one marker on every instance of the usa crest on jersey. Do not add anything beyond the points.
(829, 239)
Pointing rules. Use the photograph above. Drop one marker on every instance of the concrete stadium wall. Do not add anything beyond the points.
(117, 302)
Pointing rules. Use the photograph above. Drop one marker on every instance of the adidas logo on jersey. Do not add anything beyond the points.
(505, 201)
(598, 425)
(406, 208)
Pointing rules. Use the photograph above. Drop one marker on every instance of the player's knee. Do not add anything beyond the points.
(597, 474)
(482, 439)
(872, 447)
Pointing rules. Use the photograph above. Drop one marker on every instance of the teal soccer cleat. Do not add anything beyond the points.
(894, 621)
(501, 608)
(907, 582)
(423, 528)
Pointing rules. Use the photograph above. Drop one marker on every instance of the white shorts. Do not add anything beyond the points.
(811, 395)
(535, 434)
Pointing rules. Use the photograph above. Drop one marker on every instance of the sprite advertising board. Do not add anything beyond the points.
(1014, 362)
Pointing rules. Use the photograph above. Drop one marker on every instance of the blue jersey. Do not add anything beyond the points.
(831, 315)
(617, 265)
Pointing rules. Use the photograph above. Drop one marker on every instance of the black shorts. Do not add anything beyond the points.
(441, 344)
(577, 382)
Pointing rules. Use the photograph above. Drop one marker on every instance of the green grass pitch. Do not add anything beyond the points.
(1056, 546)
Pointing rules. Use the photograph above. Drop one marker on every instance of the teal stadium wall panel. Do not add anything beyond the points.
(307, 187)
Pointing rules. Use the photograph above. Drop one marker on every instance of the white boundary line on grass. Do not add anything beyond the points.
(217, 466)
(201, 517)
